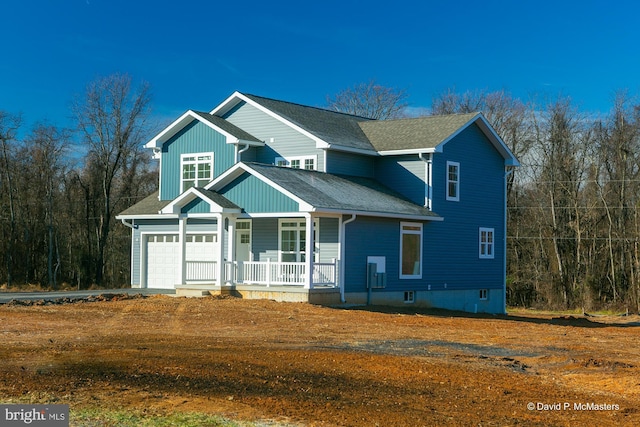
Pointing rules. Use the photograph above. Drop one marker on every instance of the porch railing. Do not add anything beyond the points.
(264, 273)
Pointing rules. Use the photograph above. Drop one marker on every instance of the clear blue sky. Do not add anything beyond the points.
(196, 53)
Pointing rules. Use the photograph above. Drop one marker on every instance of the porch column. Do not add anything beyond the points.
(182, 249)
(231, 249)
(220, 252)
(308, 278)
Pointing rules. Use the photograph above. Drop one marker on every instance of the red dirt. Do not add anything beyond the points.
(311, 365)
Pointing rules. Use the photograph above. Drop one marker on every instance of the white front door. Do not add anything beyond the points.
(243, 241)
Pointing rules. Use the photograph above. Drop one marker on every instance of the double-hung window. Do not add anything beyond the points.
(293, 240)
(486, 243)
(410, 250)
(453, 181)
(298, 162)
(197, 170)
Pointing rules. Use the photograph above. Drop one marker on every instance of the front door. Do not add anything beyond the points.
(243, 241)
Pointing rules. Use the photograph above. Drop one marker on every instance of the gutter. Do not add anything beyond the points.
(342, 254)
(130, 225)
(239, 152)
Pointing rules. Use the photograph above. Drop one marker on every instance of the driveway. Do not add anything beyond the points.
(5, 297)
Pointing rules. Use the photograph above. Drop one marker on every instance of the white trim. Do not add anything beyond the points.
(487, 246)
(455, 198)
(188, 196)
(412, 232)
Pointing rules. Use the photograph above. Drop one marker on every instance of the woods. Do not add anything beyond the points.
(59, 198)
(573, 206)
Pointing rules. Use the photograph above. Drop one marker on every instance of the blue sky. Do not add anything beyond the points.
(196, 53)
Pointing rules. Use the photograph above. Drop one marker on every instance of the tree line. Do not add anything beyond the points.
(60, 189)
(573, 207)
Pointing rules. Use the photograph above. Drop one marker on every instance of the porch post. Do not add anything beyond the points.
(310, 244)
(182, 249)
(231, 252)
(220, 252)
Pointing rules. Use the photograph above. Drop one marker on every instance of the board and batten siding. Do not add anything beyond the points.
(281, 140)
(196, 137)
(452, 246)
(256, 196)
(405, 174)
(341, 163)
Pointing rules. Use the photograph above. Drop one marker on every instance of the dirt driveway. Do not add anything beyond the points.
(310, 365)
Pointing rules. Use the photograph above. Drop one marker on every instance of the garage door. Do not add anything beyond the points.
(163, 256)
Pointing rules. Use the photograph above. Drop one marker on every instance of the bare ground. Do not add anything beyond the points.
(319, 366)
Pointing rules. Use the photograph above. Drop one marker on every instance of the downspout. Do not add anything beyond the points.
(428, 164)
(504, 254)
(342, 255)
(130, 225)
(238, 153)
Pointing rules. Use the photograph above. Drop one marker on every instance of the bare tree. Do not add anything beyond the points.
(370, 100)
(111, 118)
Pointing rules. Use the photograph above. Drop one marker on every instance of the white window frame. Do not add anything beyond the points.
(299, 228)
(301, 161)
(195, 162)
(486, 243)
(483, 294)
(408, 228)
(409, 297)
(455, 197)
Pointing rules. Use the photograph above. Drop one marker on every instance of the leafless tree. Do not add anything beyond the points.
(370, 100)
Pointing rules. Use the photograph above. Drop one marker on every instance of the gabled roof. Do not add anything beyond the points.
(323, 192)
(330, 129)
(217, 202)
(429, 134)
(233, 133)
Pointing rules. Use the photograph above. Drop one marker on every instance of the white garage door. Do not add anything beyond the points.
(163, 256)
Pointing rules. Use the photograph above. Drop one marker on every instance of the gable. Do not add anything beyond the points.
(196, 137)
(256, 196)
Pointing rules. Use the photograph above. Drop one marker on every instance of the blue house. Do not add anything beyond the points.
(263, 198)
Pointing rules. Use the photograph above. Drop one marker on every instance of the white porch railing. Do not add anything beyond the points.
(201, 271)
(265, 273)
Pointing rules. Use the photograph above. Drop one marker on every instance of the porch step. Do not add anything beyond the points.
(194, 290)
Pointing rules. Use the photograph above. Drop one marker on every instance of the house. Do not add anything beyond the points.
(269, 199)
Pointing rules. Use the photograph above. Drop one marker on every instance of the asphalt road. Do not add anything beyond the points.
(5, 297)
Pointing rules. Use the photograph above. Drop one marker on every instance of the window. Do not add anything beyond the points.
(409, 297)
(293, 240)
(298, 162)
(486, 243)
(197, 170)
(410, 250)
(483, 294)
(453, 181)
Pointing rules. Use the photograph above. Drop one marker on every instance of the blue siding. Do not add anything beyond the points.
(404, 174)
(287, 142)
(194, 138)
(339, 162)
(264, 235)
(197, 205)
(452, 245)
(254, 196)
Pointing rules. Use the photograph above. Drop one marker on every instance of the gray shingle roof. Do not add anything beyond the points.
(218, 198)
(148, 205)
(341, 193)
(415, 133)
(227, 127)
(330, 126)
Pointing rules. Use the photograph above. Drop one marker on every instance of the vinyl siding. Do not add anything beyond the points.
(328, 239)
(254, 196)
(404, 174)
(452, 245)
(194, 138)
(281, 140)
(339, 162)
(264, 235)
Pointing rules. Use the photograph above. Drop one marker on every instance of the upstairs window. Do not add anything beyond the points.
(298, 162)
(453, 181)
(486, 249)
(197, 170)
